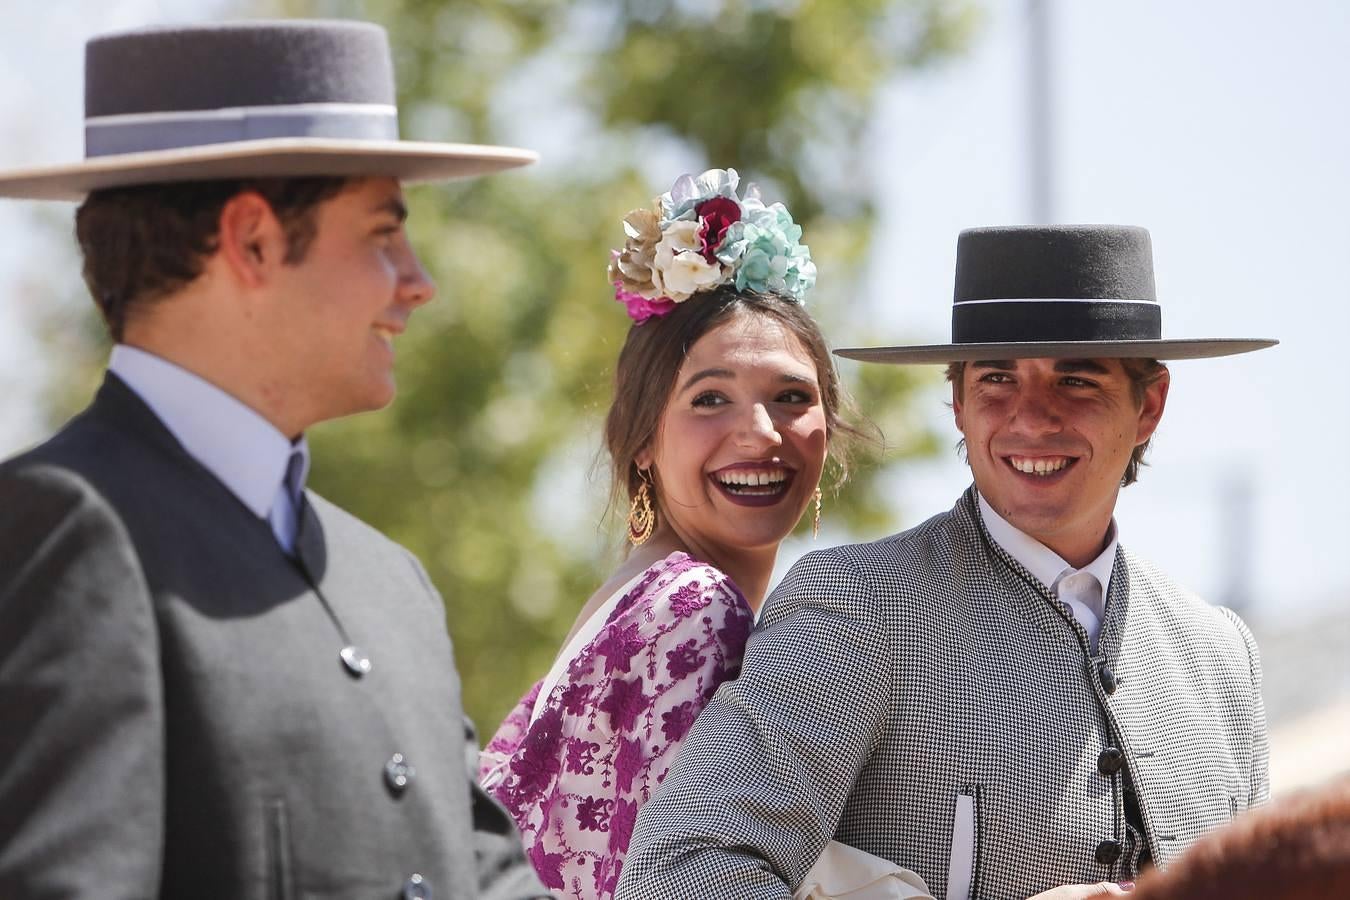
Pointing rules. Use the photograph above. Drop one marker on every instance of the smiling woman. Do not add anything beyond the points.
(726, 405)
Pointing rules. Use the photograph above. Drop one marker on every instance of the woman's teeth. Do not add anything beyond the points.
(753, 481)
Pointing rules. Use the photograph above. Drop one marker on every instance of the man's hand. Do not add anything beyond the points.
(1083, 891)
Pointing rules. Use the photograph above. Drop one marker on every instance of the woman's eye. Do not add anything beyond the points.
(795, 397)
(709, 398)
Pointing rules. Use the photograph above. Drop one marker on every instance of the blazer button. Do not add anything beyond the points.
(1110, 761)
(416, 888)
(1108, 852)
(356, 661)
(1108, 679)
(398, 774)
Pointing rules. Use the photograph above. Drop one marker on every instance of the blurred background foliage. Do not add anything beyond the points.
(480, 465)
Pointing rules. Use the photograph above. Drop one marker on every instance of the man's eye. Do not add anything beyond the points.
(1078, 382)
(996, 378)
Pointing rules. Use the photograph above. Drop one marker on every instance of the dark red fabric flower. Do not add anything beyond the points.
(715, 215)
(624, 703)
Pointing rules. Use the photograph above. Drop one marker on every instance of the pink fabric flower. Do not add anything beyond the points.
(576, 697)
(688, 600)
(549, 866)
(624, 703)
(676, 721)
(581, 756)
(619, 645)
(627, 764)
(621, 825)
(593, 813)
(716, 216)
(684, 659)
(640, 309)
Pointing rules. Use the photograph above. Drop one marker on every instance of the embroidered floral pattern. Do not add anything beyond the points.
(575, 779)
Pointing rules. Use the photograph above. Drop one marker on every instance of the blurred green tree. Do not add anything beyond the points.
(479, 465)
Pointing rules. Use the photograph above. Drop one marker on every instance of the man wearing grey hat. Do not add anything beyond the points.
(214, 683)
(1004, 699)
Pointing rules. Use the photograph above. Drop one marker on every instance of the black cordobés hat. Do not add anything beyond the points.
(1056, 291)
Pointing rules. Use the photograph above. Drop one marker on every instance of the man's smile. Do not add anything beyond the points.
(1040, 465)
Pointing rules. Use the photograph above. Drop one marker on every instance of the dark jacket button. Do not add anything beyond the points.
(357, 663)
(416, 888)
(398, 774)
(1108, 852)
(1110, 761)
(1108, 679)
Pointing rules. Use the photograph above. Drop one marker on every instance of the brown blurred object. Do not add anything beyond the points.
(1297, 848)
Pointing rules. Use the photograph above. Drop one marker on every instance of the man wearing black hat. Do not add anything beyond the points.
(214, 683)
(1004, 700)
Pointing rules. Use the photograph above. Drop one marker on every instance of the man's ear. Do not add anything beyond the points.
(1151, 410)
(251, 240)
(956, 407)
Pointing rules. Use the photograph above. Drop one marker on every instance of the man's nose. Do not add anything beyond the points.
(415, 286)
(1036, 410)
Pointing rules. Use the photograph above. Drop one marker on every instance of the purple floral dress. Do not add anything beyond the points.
(608, 732)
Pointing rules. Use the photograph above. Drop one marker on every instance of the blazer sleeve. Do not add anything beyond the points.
(763, 776)
(1259, 785)
(81, 703)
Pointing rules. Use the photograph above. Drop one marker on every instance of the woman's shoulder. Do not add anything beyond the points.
(677, 580)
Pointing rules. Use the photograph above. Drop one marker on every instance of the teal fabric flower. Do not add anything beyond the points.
(765, 251)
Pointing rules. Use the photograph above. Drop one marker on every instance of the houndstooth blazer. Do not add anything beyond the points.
(925, 699)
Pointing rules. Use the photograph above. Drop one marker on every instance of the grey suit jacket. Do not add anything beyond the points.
(893, 690)
(175, 719)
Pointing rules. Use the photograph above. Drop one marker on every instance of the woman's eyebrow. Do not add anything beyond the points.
(706, 373)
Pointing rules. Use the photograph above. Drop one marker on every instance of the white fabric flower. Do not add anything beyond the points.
(681, 268)
(690, 273)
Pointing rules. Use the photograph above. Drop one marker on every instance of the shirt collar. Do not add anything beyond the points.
(236, 444)
(1042, 562)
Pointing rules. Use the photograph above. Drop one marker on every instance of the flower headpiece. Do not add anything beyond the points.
(700, 236)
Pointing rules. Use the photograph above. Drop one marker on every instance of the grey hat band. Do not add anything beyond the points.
(1044, 320)
(146, 132)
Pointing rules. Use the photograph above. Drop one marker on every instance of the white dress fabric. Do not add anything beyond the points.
(847, 873)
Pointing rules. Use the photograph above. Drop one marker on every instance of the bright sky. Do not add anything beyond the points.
(1220, 126)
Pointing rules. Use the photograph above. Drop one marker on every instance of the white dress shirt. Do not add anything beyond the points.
(247, 453)
(1083, 590)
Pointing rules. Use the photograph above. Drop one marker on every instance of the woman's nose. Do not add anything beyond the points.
(759, 429)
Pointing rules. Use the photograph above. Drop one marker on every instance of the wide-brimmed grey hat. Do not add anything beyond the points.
(1056, 291)
(246, 100)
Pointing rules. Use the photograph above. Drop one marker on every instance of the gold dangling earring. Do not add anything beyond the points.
(815, 522)
(641, 516)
